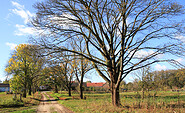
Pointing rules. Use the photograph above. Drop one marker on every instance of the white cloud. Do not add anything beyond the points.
(160, 67)
(25, 15)
(23, 30)
(11, 45)
(17, 5)
(182, 38)
(180, 60)
(143, 53)
(22, 12)
(2, 78)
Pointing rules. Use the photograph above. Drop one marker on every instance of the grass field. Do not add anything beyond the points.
(169, 102)
(28, 105)
(165, 101)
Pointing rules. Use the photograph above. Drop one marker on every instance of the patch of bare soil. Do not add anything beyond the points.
(51, 105)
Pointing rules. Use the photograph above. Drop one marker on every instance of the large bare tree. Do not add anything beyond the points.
(120, 35)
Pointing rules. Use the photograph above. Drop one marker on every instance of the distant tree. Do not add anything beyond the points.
(60, 68)
(179, 79)
(123, 85)
(175, 78)
(37, 64)
(120, 36)
(6, 81)
(129, 86)
(16, 84)
(166, 79)
(141, 75)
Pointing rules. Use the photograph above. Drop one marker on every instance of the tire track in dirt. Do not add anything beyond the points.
(51, 105)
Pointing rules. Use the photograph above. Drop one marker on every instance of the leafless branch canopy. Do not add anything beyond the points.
(120, 35)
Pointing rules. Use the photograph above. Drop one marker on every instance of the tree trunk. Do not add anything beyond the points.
(81, 83)
(56, 89)
(115, 95)
(34, 89)
(24, 91)
(81, 90)
(29, 93)
(69, 91)
(21, 97)
(115, 88)
(15, 96)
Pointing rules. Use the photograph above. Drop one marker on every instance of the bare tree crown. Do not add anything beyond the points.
(120, 35)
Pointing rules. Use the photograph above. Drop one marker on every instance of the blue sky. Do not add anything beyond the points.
(13, 20)
(14, 17)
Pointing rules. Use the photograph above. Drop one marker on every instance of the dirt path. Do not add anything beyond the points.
(50, 106)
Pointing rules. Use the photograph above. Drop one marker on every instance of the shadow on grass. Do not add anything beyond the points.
(40, 100)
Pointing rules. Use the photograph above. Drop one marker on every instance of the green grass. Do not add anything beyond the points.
(26, 111)
(11, 103)
(2, 92)
(46, 96)
(28, 105)
(101, 103)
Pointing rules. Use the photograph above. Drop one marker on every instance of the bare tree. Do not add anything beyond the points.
(80, 64)
(120, 35)
(141, 76)
(61, 70)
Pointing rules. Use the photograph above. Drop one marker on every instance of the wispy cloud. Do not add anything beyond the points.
(24, 30)
(143, 53)
(181, 37)
(21, 11)
(11, 45)
(159, 67)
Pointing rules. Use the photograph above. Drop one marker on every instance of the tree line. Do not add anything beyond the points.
(158, 80)
(30, 70)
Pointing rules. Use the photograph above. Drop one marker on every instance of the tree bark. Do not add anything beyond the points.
(69, 89)
(24, 92)
(114, 88)
(56, 89)
(29, 93)
(81, 81)
(15, 96)
(115, 96)
(81, 90)
(21, 97)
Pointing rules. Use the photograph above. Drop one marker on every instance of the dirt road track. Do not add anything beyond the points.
(50, 106)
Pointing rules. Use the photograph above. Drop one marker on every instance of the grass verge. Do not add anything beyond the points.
(101, 103)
